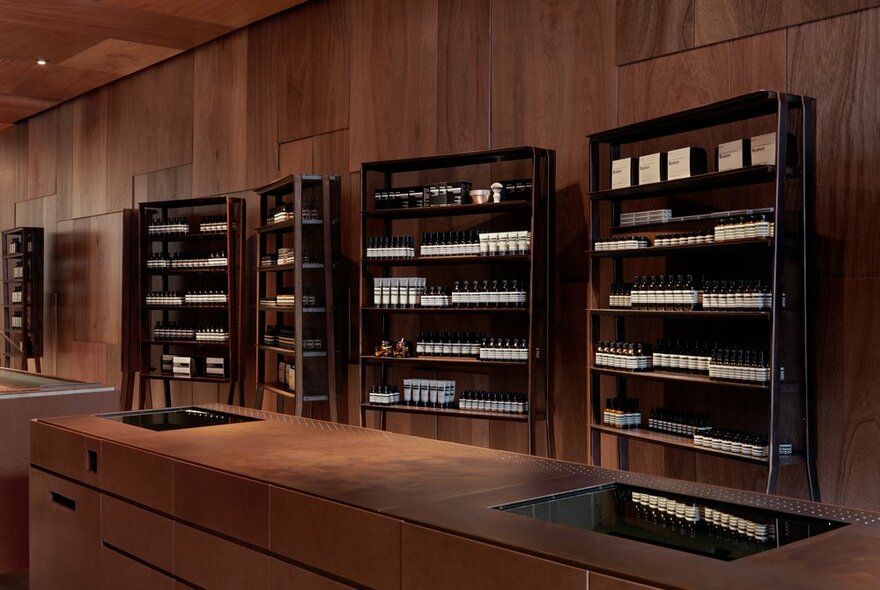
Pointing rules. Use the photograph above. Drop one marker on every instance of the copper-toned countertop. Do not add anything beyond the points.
(451, 487)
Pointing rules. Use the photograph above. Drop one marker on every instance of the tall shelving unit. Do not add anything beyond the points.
(307, 227)
(532, 377)
(23, 274)
(226, 278)
(782, 408)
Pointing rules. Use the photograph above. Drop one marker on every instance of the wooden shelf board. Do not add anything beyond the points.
(700, 182)
(285, 225)
(291, 266)
(674, 441)
(309, 354)
(678, 377)
(218, 306)
(281, 389)
(439, 360)
(690, 248)
(187, 343)
(448, 210)
(290, 309)
(699, 313)
(186, 271)
(450, 412)
(446, 310)
(193, 237)
(159, 375)
(444, 260)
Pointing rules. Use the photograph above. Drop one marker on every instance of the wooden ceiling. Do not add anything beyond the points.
(89, 43)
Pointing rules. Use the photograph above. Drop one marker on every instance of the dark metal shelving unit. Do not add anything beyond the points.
(534, 214)
(25, 342)
(317, 373)
(785, 330)
(141, 346)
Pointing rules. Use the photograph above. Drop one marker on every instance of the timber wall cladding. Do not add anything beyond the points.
(333, 83)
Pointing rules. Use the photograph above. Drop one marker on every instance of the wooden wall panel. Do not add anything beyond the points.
(42, 154)
(264, 101)
(150, 123)
(701, 76)
(316, 60)
(89, 179)
(720, 20)
(64, 173)
(649, 28)
(393, 92)
(13, 172)
(220, 115)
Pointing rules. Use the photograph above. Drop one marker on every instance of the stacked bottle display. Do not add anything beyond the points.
(169, 226)
(685, 239)
(680, 423)
(633, 356)
(173, 298)
(180, 260)
(494, 401)
(737, 364)
(391, 247)
(429, 393)
(683, 355)
(743, 228)
(742, 295)
(178, 330)
(621, 243)
(450, 243)
(18, 270)
(681, 293)
(504, 349)
(450, 344)
(16, 294)
(214, 224)
(665, 293)
(622, 412)
(284, 336)
(16, 319)
(505, 293)
(735, 441)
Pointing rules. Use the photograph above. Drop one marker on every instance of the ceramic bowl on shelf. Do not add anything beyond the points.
(481, 196)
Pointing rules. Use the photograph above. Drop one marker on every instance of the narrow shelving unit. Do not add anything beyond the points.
(23, 296)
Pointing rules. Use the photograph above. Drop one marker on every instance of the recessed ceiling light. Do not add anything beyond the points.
(41, 61)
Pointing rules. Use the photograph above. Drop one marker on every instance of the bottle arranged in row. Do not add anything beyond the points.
(391, 247)
(683, 355)
(452, 344)
(212, 224)
(169, 226)
(685, 239)
(494, 401)
(494, 293)
(205, 298)
(665, 293)
(165, 298)
(504, 349)
(737, 364)
(662, 508)
(681, 423)
(450, 243)
(621, 243)
(187, 260)
(633, 356)
(16, 294)
(744, 227)
(212, 335)
(429, 393)
(743, 295)
(174, 331)
(16, 319)
(384, 395)
(621, 296)
(622, 412)
(733, 441)
(399, 292)
(738, 527)
(436, 297)
(506, 243)
(18, 270)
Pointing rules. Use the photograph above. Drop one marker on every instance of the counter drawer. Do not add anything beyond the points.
(283, 576)
(353, 544)
(139, 476)
(65, 533)
(119, 571)
(138, 532)
(438, 560)
(600, 582)
(208, 561)
(65, 452)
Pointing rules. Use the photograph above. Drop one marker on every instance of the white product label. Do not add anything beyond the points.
(730, 155)
(621, 173)
(764, 150)
(678, 164)
(649, 169)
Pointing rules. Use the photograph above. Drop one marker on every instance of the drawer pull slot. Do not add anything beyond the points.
(61, 500)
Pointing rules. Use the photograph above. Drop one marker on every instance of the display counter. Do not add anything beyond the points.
(24, 396)
(225, 497)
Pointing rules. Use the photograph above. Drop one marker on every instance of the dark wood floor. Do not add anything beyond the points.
(18, 581)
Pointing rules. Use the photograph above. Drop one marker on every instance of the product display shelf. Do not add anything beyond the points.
(145, 359)
(313, 232)
(534, 377)
(24, 342)
(782, 261)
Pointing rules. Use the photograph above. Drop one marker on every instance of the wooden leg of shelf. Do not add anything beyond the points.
(772, 476)
(258, 398)
(551, 439)
(596, 447)
(623, 453)
(363, 423)
(241, 391)
(382, 419)
(333, 400)
(125, 401)
(813, 479)
(530, 426)
(37, 364)
(279, 403)
(143, 394)
(166, 386)
(298, 403)
(230, 397)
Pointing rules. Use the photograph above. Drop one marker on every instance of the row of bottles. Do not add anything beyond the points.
(733, 441)
(675, 422)
(450, 243)
(452, 344)
(384, 395)
(187, 260)
(692, 238)
(634, 356)
(311, 211)
(171, 298)
(16, 319)
(622, 412)
(621, 243)
(683, 355)
(742, 295)
(504, 349)
(680, 293)
(188, 331)
(429, 393)
(503, 293)
(665, 293)
(214, 224)
(18, 270)
(16, 294)
(171, 225)
(284, 336)
(737, 364)
(391, 247)
(744, 227)
(494, 401)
